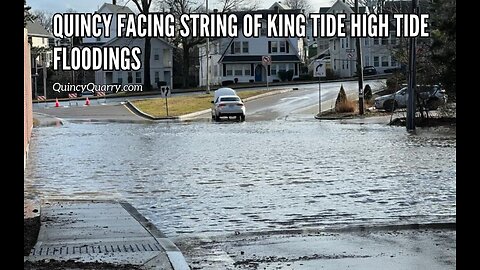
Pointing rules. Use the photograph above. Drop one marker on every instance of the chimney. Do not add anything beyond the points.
(215, 10)
(114, 2)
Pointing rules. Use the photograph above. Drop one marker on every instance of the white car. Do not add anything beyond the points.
(231, 105)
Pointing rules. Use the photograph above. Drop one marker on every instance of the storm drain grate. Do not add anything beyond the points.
(93, 249)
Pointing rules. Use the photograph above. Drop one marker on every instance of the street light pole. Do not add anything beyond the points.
(412, 73)
(359, 69)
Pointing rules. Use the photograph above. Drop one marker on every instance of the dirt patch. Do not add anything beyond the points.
(57, 265)
(31, 227)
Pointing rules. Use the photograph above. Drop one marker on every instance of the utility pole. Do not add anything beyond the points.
(412, 73)
(359, 68)
(208, 56)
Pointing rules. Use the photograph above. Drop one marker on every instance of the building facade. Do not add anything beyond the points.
(377, 52)
(240, 59)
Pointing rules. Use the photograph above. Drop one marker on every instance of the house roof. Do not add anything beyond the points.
(343, 5)
(34, 28)
(280, 5)
(116, 8)
(258, 58)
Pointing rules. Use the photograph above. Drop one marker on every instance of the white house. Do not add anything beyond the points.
(376, 52)
(240, 58)
(39, 37)
(161, 57)
(107, 8)
(161, 63)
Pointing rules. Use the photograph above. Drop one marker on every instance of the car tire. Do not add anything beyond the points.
(242, 117)
(217, 118)
(390, 105)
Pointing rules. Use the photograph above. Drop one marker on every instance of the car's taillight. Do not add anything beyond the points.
(221, 104)
(239, 104)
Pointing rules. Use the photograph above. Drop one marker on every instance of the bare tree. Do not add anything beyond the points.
(238, 5)
(299, 4)
(44, 18)
(143, 7)
(374, 6)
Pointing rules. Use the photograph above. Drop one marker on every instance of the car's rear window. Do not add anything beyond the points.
(229, 99)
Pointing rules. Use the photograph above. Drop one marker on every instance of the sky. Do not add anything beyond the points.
(54, 6)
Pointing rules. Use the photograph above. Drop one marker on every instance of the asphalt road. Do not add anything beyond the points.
(296, 103)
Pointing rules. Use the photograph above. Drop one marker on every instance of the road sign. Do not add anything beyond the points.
(350, 55)
(165, 91)
(266, 60)
(319, 69)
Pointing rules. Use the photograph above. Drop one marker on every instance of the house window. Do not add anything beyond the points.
(283, 46)
(138, 77)
(130, 77)
(384, 61)
(119, 77)
(334, 45)
(375, 41)
(229, 70)
(274, 47)
(98, 39)
(236, 47)
(366, 42)
(156, 54)
(343, 64)
(376, 61)
(215, 71)
(282, 67)
(238, 70)
(342, 40)
(157, 76)
(246, 70)
(245, 47)
(273, 70)
(347, 64)
(384, 41)
(346, 42)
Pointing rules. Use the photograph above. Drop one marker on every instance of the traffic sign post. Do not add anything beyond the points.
(165, 92)
(266, 61)
(319, 71)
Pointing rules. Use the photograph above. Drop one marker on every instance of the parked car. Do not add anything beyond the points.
(369, 70)
(430, 96)
(231, 105)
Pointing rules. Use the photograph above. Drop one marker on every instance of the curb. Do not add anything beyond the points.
(175, 256)
(141, 113)
(53, 121)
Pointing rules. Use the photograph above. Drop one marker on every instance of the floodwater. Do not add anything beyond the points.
(207, 178)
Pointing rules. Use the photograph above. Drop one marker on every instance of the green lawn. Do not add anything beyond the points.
(180, 105)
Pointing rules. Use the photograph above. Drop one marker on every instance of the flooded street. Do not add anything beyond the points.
(203, 178)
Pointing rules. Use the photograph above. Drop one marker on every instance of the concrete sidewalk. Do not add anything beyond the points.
(103, 232)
